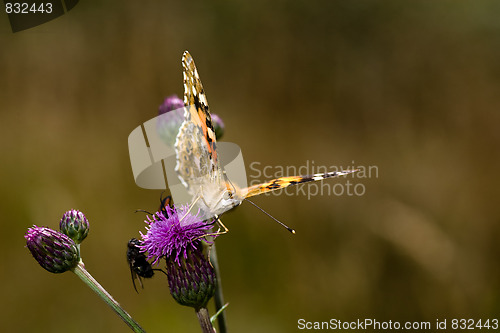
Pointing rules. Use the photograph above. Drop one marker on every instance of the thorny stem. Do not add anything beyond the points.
(82, 273)
(204, 319)
(219, 297)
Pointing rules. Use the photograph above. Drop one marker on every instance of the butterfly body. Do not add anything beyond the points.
(218, 199)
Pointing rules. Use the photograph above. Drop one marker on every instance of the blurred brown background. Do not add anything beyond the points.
(410, 87)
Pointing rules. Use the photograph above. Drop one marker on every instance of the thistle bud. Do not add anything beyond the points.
(192, 280)
(218, 126)
(53, 250)
(171, 103)
(75, 225)
(171, 116)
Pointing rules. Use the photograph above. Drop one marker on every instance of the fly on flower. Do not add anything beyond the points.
(137, 260)
(139, 266)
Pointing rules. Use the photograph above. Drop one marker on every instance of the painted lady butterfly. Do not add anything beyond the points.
(197, 162)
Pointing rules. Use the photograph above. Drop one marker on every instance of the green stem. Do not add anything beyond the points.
(219, 297)
(204, 319)
(82, 273)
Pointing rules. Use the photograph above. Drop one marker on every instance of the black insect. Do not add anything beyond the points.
(164, 202)
(139, 266)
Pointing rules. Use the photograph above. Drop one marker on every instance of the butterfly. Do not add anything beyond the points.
(197, 162)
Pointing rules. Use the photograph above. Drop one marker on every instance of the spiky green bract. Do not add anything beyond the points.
(192, 279)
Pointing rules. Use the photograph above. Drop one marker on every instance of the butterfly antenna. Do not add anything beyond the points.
(263, 211)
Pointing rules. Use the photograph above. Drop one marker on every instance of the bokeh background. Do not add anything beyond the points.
(411, 87)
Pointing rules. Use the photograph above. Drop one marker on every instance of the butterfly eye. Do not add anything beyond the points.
(228, 195)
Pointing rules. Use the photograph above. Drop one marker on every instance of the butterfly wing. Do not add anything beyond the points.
(195, 146)
(283, 182)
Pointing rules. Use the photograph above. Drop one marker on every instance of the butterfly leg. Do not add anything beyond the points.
(219, 222)
(190, 207)
(218, 232)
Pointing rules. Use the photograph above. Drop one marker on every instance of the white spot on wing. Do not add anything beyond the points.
(203, 99)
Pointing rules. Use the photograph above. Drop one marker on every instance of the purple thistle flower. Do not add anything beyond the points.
(175, 235)
(168, 236)
(53, 250)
